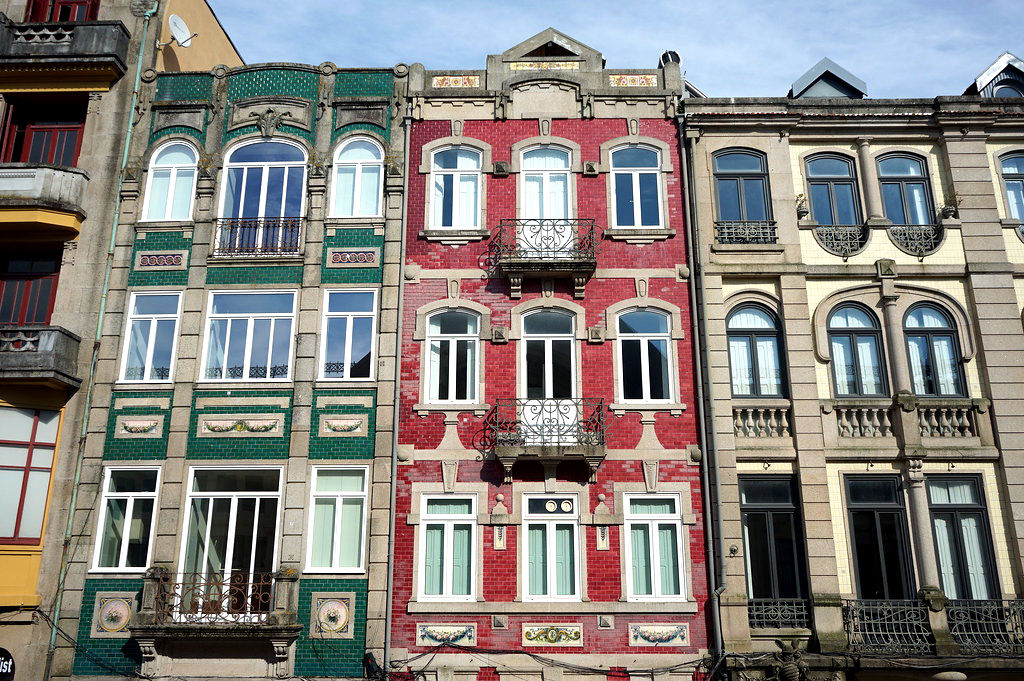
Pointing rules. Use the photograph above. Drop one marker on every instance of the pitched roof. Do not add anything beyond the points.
(838, 82)
(1005, 60)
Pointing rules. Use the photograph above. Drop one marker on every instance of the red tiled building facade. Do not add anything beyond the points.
(548, 491)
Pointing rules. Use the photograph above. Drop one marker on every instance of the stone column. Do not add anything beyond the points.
(894, 330)
(921, 529)
(869, 178)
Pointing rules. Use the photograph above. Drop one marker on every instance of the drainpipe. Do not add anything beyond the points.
(407, 122)
(87, 400)
(705, 408)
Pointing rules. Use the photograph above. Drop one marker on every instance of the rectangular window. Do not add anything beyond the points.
(550, 528)
(249, 336)
(27, 441)
(963, 545)
(151, 336)
(348, 335)
(878, 532)
(772, 545)
(337, 519)
(124, 536)
(28, 286)
(447, 553)
(654, 547)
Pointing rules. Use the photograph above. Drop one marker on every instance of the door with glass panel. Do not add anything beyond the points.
(963, 544)
(878, 535)
(545, 231)
(550, 413)
(550, 524)
(229, 546)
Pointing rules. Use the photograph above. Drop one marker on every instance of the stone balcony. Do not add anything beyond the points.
(41, 202)
(90, 54)
(41, 355)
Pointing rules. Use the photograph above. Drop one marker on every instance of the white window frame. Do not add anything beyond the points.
(635, 173)
(447, 520)
(458, 220)
(338, 497)
(550, 521)
(174, 168)
(190, 495)
(645, 361)
(321, 373)
(264, 176)
(126, 341)
(357, 180)
(248, 339)
(652, 520)
(549, 359)
(105, 496)
(452, 341)
(545, 181)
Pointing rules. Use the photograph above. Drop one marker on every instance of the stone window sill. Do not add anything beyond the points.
(620, 408)
(638, 236)
(478, 409)
(454, 237)
(552, 607)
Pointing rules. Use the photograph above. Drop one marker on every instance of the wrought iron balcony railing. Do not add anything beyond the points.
(215, 598)
(888, 627)
(919, 240)
(259, 237)
(573, 240)
(842, 240)
(740, 232)
(987, 627)
(779, 613)
(555, 422)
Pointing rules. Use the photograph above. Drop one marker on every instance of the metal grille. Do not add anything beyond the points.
(987, 626)
(919, 240)
(746, 232)
(553, 422)
(779, 613)
(888, 627)
(841, 240)
(216, 598)
(555, 240)
(258, 236)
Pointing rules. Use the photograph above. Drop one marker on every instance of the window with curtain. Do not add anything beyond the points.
(28, 285)
(545, 183)
(151, 335)
(855, 339)
(172, 182)
(741, 186)
(27, 441)
(963, 544)
(348, 334)
(637, 193)
(905, 194)
(358, 177)
(447, 548)
(456, 179)
(832, 184)
(550, 526)
(755, 363)
(123, 539)
(934, 352)
(1012, 168)
(772, 545)
(654, 552)
(643, 341)
(453, 342)
(249, 336)
(337, 519)
(878, 532)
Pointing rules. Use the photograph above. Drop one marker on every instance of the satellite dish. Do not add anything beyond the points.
(180, 31)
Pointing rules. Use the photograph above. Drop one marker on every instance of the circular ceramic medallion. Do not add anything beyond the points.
(567, 506)
(332, 615)
(113, 616)
(551, 507)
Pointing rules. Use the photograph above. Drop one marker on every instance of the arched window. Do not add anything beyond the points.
(1012, 167)
(856, 341)
(644, 341)
(1007, 91)
(455, 176)
(754, 356)
(453, 339)
(262, 199)
(545, 183)
(935, 362)
(832, 184)
(905, 194)
(637, 194)
(549, 355)
(358, 172)
(171, 182)
(741, 183)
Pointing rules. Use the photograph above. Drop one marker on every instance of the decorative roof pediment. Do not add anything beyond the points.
(551, 45)
(828, 79)
(1007, 69)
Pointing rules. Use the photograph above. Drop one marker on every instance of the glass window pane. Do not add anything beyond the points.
(251, 199)
(650, 209)
(139, 530)
(344, 190)
(260, 349)
(545, 158)
(465, 370)
(632, 370)
(350, 301)
(10, 496)
(536, 361)
(668, 558)
(34, 506)
(900, 166)
(1015, 198)
(757, 549)
(369, 200)
(829, 167)
(842, 366)
(917, 204)
(548, 323)
(162, 347)
(452, 323)
(641, 553)
(1013, 165)
(882, 490)
(348, 480)
(870, 364)
(634, 157)
(624, 200)
(920, 363)
(462, 543)
(892, 197)
(538, 560)
(846, 204)
(643, 321)
(768, 366)
(113, 527)
(359, 150)
(657, 358)
(252, 303)
(16, 424)
(728, 199)
(751, 318)
(182, 199)
(323, 533)
(235, 480)
(334, 348)
(788, 571)
(159, 190)
(440, 370)
(561, 369)
(350, 547)
(175, 155)
(132, 481)
(449, 506)
(947, 373)
(739, 162)
(433, 560)
(741, 366)
(362, 347)
(46, 425)
(157, 303)
(821, 204)
(766, 491)
(755, 199)
(927, 316)
(138, 348)
(960, 491)
(851, 317)
(468, 194)
(267, 152)
(652, 506)
(565, 561)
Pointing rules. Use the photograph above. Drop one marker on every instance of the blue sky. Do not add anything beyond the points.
(902, 48)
